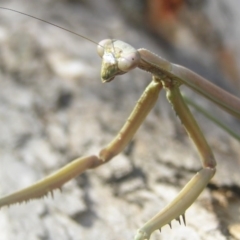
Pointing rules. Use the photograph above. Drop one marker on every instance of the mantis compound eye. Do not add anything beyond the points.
(102, 46)
(128, 61)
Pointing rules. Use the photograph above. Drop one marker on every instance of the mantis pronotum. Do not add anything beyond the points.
(165, 75)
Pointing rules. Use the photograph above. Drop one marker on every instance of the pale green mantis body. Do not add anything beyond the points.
(119, 58)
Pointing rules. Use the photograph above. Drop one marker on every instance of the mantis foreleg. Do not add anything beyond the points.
(196, 185)
(79, 165)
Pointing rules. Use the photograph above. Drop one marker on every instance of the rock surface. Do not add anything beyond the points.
(53, 108)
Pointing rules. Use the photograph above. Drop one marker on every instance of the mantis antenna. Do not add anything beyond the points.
(100, 47)
(55, 25)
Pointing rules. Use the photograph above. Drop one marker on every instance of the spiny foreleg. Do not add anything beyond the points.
(79, 165)
(196, 185)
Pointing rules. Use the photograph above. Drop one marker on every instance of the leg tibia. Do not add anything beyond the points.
(53, 181)
(179, 205)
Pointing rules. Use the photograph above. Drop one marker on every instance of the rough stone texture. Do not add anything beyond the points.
(54, 108)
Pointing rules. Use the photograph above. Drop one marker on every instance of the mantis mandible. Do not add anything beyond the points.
(119, 58)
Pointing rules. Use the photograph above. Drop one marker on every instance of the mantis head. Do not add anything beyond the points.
(117, 58)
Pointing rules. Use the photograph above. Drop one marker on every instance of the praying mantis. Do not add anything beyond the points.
(119, 58)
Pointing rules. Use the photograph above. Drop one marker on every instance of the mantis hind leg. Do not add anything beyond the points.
(196, 185)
